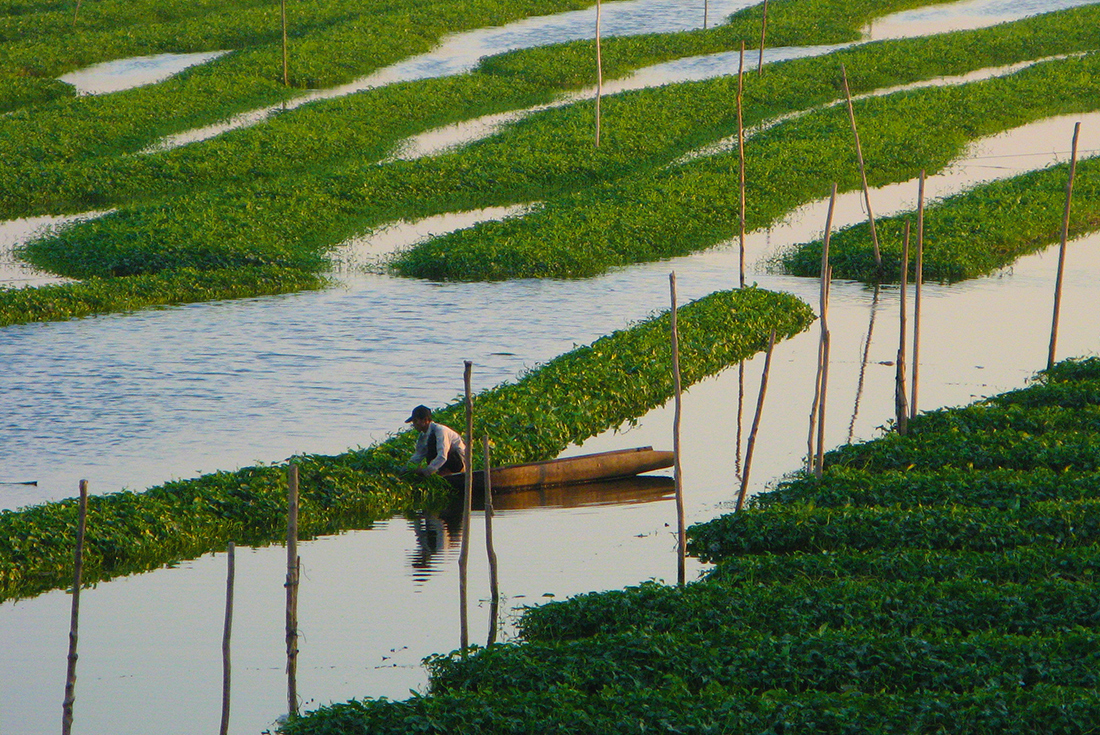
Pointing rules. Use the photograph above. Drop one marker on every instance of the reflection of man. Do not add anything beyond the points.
(438, 445)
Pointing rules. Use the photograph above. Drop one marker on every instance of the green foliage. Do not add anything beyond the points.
(574, 396)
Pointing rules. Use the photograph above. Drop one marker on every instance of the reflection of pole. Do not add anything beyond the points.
(740, 416)
(494, 586)
(292, 569)
(756, 423)
(74, 615)
(464, 551)
(599, 73)
(863, 364)
(681, 534)
(918, 281)
(899, 380)
(1062, 251)
(862, 173)
(226, 631)
(741, 152)
(763, 32)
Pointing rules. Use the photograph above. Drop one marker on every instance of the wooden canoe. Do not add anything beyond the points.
(571, 470)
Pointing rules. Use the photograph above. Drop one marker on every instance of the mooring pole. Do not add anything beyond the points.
(900, 409)
(862, 173)
(227, 630)
(741, 153)
(292, 568)
(681, 531)
(763, 33)
(599, 72)
(464, 549)
(756, 423)
(817, 411)
(74, 614)
(1062, 251)
(494, 585)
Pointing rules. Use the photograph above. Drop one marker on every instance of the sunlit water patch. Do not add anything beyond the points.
(15, 273)
(962, 16)
(136, 71)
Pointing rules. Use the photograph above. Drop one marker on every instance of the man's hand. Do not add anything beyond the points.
(424, 471)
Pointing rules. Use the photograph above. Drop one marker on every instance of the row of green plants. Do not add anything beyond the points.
(290, 221)
(652, 214)
(1009, 218)
(577, 395)
(903, 617)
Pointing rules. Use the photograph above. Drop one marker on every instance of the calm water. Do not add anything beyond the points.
(133, 400)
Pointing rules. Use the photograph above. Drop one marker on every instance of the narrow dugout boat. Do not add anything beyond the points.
(585, 468)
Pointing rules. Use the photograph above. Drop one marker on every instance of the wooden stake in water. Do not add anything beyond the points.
(706, 12)
(494, 585)
(464, 549)
(900, 408)
(763, 33)
(292, 569)
(74, 614)
(681, 531)
(826, 341)
(599, 71)
(1062, 250)
(756, 423)
(862, 173)
(741, 153)
(227, 630)
(286, 73)
(918, 282)
(817, 409)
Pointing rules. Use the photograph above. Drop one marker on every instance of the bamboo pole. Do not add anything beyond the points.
(741, 153)
(599, 71)
(706, 11)
(1062, 251)
(918, 283)
(464, 549)
(286, 74)
(74, 614)
(816, 410)
(293, 566)
(899, 380)
(763, 33)
(76, 13)
(681, 531)
(494, 585)
(823, 351)
(227, 630)
(862, 172)
(756, 423)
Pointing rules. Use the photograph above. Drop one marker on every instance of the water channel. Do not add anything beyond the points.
(131, 400)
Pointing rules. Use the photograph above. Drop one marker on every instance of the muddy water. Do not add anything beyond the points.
(131, 400)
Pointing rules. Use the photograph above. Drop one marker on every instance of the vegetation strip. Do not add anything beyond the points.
(291, 221)
(577, 395)
(903, 617)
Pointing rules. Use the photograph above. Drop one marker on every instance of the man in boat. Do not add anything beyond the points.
(438, 445)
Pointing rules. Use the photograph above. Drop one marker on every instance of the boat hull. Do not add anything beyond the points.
(571, 470)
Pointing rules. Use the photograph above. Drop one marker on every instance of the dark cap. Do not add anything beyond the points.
(420, 412)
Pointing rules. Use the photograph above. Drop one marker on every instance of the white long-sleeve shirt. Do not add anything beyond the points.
(444, 438)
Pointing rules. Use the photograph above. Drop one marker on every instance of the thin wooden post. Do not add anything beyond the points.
(286, 73)
(292, 568)
(763, 33)
(599, 71)
(76, 13)
(1062, 251)
(706, 11)
(741, 153)
(494, 585)
(900, 408)
(817, 409)
(918, 283)
(756, 423)
(826, 341)
(862, 172)
(74, 613)
(464, 549)
(227, 630)
(681, 531)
